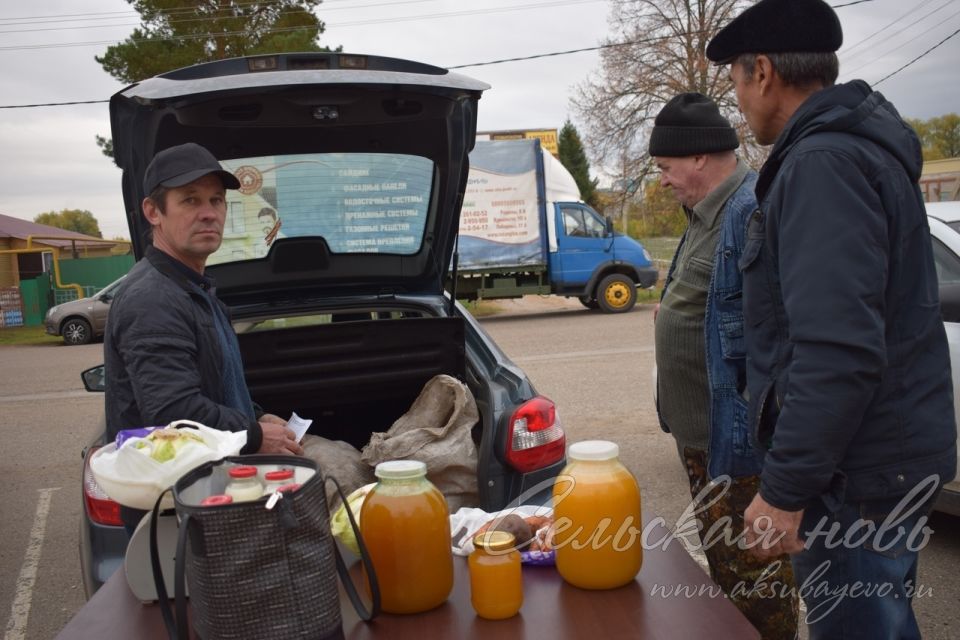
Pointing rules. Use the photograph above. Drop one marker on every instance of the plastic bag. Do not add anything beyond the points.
(340, 523)
(436, 430)
(465, 523)
(130, 476)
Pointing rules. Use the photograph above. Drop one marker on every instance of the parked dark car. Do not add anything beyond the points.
(337, 245)
(84, 320)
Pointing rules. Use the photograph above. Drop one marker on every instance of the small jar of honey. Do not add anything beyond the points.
(496, 580)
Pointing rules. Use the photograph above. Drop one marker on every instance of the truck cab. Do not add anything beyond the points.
(593, 262)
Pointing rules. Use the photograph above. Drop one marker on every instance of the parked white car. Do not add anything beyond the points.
(944, 219)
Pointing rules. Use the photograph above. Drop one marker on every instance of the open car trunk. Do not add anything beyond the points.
(352, 376)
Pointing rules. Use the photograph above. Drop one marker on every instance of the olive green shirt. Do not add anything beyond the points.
(683, 386)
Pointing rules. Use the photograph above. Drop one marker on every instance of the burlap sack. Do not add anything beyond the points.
(436, 431)
(342, 461)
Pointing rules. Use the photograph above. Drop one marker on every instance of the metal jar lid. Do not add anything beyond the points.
(494, 541)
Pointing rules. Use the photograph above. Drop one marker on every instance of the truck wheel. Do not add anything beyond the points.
(617, 293)
(76, 331)
(589, 302)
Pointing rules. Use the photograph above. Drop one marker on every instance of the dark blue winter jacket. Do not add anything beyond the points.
(848, 369)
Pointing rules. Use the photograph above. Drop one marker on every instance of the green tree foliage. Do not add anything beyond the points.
(178, 33)
(939, 136)
(658, 214)
(574, 158)
(78, 220)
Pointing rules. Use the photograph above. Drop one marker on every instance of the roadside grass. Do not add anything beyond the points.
(661, 250)
(27, 336)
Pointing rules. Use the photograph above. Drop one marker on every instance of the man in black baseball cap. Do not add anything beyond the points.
(170, 351)
(694, 147)
(847, 360)
(180, 165)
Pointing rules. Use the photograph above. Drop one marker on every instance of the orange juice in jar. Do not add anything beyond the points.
(405, 524)
(597, 518)
(496, 581)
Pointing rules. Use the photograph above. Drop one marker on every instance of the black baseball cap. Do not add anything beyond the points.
(182, 164)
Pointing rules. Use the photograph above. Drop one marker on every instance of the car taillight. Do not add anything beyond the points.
(535, 438)
(101, 508)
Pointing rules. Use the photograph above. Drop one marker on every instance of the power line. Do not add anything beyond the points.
(895, 33)
(51, 104)
(890, 75)
(898, 47)
(890, 24)
(354, 23)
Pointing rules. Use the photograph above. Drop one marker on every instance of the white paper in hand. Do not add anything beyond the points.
(299, 426)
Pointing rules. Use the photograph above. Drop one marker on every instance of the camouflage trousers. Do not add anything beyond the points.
(763, 590)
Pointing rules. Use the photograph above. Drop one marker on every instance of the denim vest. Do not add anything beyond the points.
(730, 450)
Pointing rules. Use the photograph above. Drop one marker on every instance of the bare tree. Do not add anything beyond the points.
(657, 50)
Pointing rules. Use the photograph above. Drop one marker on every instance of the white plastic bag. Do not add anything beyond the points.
(131, 477)
(466, 521)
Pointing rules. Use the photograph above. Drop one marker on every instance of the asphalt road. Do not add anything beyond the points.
(596, 367)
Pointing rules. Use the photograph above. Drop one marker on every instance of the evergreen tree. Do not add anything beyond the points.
(573, 157)
(178, 33)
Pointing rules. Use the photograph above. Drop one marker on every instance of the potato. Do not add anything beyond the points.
(517, 526)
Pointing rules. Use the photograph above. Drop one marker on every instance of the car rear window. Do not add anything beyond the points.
(358, 202)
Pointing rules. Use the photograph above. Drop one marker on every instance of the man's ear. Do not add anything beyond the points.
(151, 212)
(763, 73)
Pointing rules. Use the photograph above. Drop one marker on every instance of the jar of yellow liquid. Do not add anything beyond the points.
(496, 581)
(406, 527)
(597, 518)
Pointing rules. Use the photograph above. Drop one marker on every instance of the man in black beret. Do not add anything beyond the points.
(699, 351)
(848, 371)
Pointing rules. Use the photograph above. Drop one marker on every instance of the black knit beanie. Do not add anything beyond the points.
(691, 124)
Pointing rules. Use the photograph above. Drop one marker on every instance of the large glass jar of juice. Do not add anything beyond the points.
(597, 518)
(496, 580)
(406, 527)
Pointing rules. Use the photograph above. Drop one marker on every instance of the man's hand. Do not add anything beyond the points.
(769, 531)
(269, 417)
(277, 438)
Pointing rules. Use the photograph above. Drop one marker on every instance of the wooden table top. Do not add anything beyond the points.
(551, 609)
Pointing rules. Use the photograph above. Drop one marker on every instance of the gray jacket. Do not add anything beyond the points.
(162, 354)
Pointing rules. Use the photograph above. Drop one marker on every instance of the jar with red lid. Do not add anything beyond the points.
(216, 500)
(275, 480)
(244, 484)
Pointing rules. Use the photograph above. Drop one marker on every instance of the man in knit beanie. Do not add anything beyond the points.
(700, 352)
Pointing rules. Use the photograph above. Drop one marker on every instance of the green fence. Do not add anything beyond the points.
(94, 272)
(34, 295)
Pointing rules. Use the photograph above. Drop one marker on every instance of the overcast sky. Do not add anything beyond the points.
(49, 161)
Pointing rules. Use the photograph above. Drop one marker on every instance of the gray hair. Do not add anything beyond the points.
(798, 69)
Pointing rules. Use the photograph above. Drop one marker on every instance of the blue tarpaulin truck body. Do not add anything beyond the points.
(524, 230)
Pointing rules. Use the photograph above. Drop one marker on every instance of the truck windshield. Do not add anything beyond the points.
(358, 202)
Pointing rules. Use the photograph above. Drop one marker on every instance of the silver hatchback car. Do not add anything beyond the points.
(81, 321)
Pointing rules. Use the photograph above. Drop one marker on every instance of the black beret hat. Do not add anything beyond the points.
(180, 165)
(778, 26)
(691, 124)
